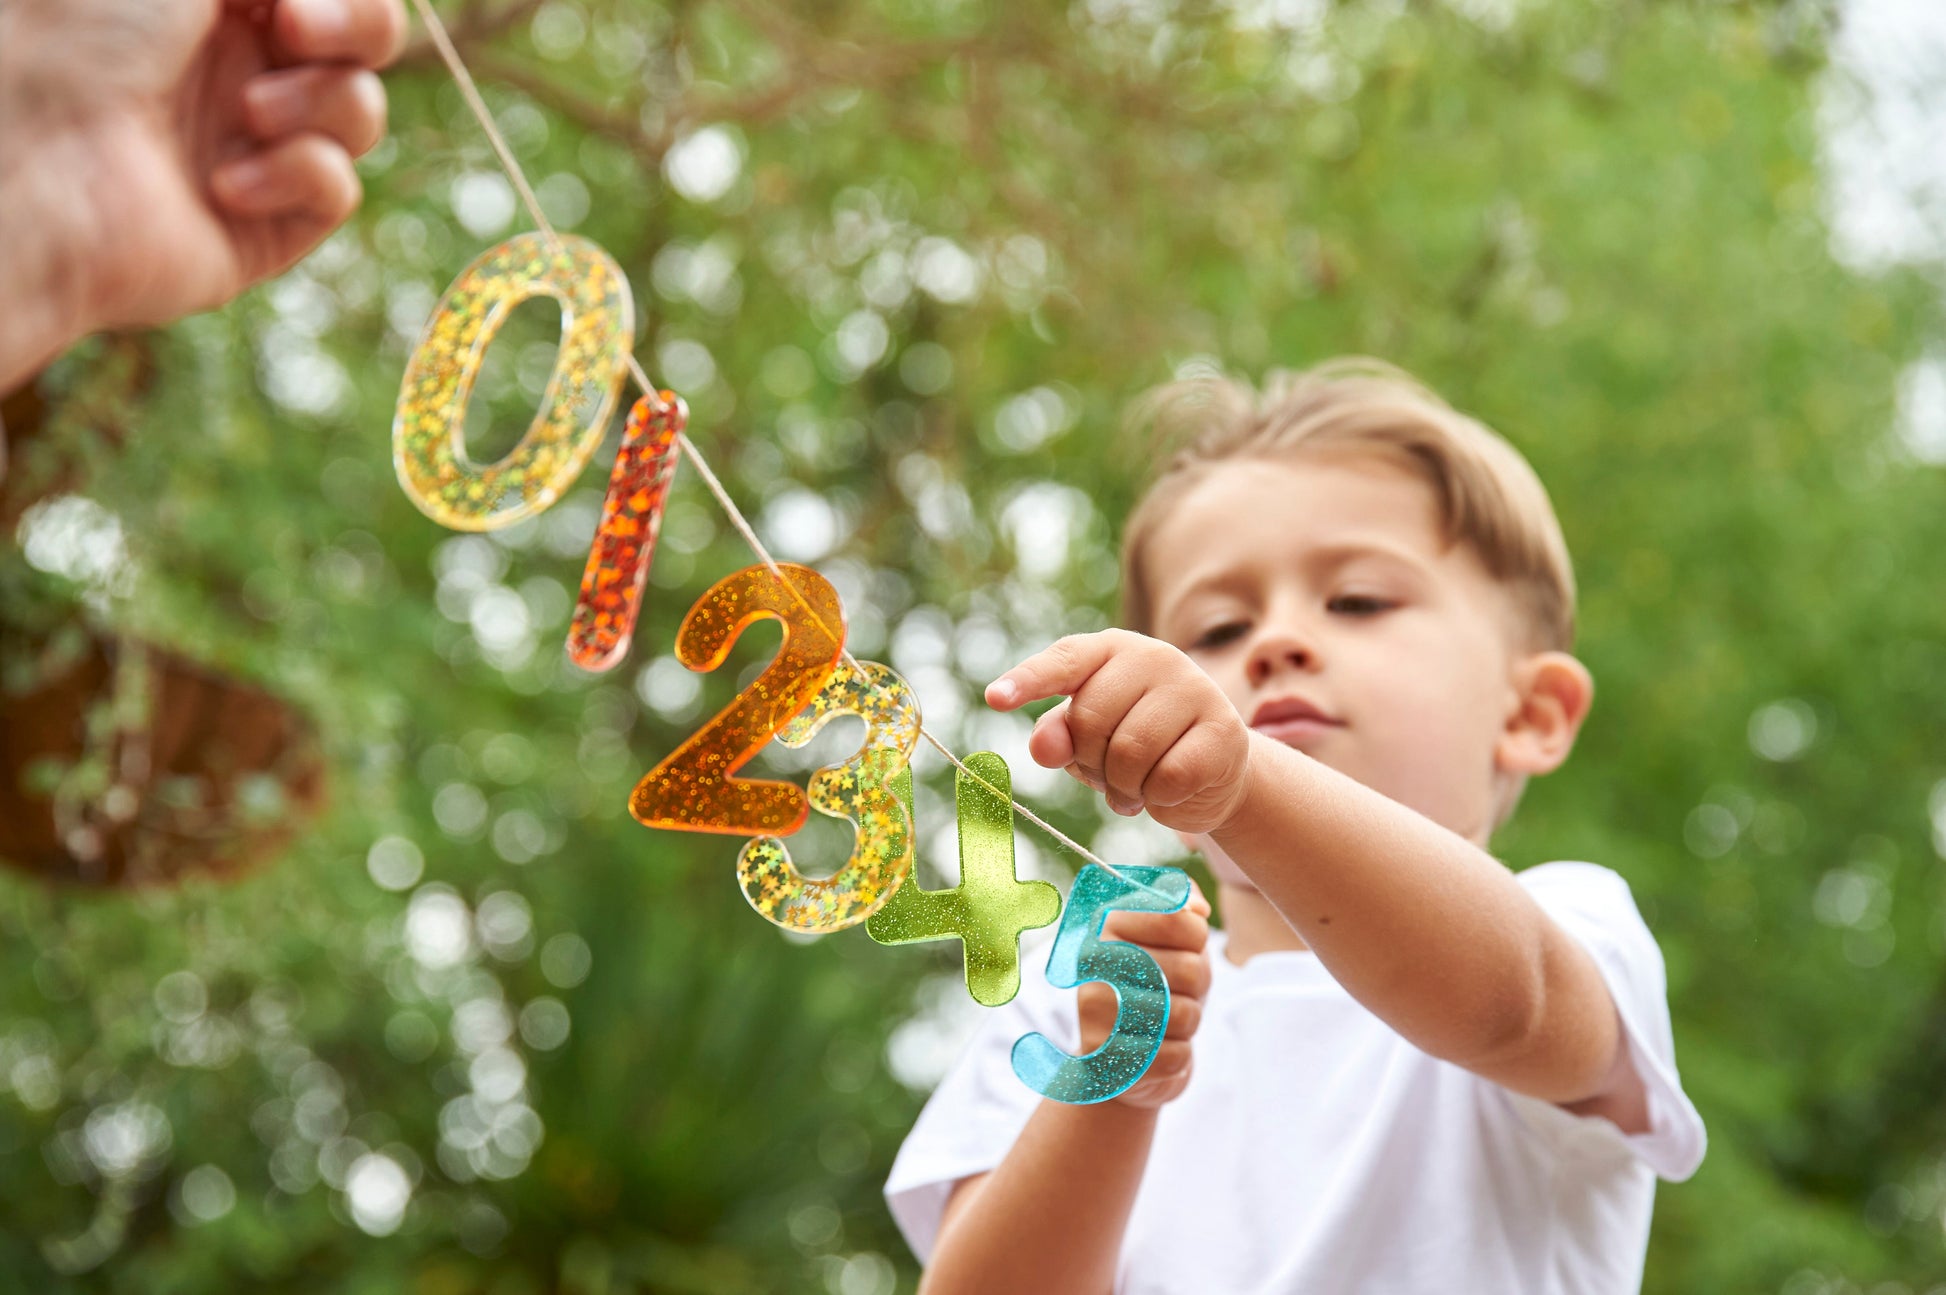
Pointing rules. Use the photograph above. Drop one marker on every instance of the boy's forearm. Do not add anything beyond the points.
(1051, 1216)
(1423, 927)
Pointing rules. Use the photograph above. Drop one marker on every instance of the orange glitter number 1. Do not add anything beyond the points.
(618, 561)
(696, 788)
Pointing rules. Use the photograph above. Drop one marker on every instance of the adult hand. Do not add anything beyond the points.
(158, 157)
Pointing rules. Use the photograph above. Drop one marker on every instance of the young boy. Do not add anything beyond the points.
(1399, 1067)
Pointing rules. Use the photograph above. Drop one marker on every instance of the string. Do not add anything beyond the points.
(470, 91)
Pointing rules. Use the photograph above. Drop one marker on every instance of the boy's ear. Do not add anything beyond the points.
(1552, 693)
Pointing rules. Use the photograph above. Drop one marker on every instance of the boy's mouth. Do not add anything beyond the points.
(1292, 720)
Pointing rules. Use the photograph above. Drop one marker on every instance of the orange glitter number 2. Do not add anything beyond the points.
(859, 790)
(696, 788)
(597, 330)
(618, 562)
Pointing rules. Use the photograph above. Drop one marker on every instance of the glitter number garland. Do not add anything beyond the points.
(695, 788)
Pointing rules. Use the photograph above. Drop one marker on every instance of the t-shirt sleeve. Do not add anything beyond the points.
(1593, 904)
(978, 1110)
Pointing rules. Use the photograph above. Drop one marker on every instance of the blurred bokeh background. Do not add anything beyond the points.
(333, 960)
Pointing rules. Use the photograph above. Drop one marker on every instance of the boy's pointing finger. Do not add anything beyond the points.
(1055, 671)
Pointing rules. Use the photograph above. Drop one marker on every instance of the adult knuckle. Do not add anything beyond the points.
(368, 96)
(324, 158)
(347, 190)
(364, 116)
(307, 153)
(390, 18)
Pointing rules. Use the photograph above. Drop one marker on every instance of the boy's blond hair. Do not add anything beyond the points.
(1489, 498)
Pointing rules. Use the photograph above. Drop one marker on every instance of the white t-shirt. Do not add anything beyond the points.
(1316, 1151)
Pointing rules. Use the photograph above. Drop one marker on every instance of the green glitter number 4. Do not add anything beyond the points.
(990, 907)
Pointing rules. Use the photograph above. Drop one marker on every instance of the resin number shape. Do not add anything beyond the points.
(1081, 955)
(859, 790)
(597, 330)
(696, 788)
(990, 907)
(618, 561)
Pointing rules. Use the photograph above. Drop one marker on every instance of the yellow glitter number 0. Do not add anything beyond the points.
(859, 789)
(597, 331)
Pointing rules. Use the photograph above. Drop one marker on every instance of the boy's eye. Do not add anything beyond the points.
(1219, 635)
(1359, 605)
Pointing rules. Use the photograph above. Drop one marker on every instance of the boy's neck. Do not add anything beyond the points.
(1251, 925)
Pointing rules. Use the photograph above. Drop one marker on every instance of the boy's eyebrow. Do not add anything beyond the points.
(1322, 561)
(1330, 557)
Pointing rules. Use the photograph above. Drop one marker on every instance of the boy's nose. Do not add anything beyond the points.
(1277, 651)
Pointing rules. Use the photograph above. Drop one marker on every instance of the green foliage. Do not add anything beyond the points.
(960, 238)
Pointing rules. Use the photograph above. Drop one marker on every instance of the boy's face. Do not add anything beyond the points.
(1320, 595)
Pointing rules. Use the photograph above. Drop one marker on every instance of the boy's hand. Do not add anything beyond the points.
(1179, 943)
(1141, 724)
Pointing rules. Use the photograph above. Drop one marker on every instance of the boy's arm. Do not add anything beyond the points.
(1432, 934)
(1423, 927)
(1051, 1216)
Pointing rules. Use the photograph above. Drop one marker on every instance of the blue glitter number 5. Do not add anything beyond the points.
(1081, 955)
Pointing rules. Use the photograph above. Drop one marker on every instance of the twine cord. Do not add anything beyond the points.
(470, 91)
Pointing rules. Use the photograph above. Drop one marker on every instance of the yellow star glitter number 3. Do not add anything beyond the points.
(858, 789)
